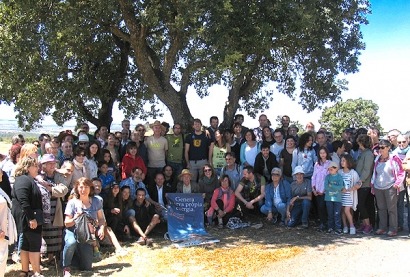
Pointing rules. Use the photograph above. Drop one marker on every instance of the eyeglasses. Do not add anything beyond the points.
(401, 142)
(82, 143)
(275, 174)
(382, 147)
(207, 170)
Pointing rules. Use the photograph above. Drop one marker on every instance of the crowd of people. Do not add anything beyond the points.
(120, 180)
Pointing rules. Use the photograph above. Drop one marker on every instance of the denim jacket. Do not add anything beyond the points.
(284, 191)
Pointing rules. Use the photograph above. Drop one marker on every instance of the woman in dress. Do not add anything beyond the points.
(27, 203)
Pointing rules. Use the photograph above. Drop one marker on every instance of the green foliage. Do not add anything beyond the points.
(79, 57)
(353, 113)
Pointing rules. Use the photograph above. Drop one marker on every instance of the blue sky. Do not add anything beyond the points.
(383, 77)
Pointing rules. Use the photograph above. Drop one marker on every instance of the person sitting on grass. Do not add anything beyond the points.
(143, 217)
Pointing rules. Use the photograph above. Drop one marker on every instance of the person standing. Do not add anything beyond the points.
(175, 154)
(196, 150)
(157, 147)
(387, 181)
(27, 203)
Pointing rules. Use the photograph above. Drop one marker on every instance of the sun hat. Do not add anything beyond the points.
(83, 138)
(298, 169)
(47, 158)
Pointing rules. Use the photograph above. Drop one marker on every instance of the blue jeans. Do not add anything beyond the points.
(400, 209)
(300, 211)
(334, 220)
(281, 209)
(78, 254)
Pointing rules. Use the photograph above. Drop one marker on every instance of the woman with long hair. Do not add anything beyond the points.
(304, 155)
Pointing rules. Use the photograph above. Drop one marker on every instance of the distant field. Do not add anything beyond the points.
(4, 147)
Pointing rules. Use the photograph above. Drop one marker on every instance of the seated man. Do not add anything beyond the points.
(158, 195)
(144, 218)
(277, 198)
(250, 191)
(301, 190)
(265, 161)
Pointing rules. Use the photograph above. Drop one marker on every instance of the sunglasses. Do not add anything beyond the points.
(401, 142)
(382, 147)
(207, 170)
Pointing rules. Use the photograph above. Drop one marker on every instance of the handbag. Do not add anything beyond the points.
(82, 230)
(38, 216)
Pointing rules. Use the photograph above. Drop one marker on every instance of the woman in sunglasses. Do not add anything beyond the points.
(387, 182)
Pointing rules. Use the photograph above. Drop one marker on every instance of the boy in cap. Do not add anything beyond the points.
(334, 185)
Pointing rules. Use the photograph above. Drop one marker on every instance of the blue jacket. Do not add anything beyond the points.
(284, 191)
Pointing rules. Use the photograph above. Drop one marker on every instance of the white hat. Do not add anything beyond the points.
(83, 138)
(298, 169)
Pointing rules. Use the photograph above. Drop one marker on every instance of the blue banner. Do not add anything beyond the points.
(186, 219)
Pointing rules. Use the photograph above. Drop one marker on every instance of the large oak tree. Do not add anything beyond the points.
(173, 45)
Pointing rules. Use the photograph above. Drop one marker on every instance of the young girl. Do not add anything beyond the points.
(318, 185)
(112, 169)
(349, 197)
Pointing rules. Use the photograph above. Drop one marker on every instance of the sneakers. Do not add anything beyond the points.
(66, 272)
(15, 258)
(330, 231)
(368, 229)
(305, 226)
(352, 230)
(380, 232)
(274, 218)
(149, 242)
(345, 230)
(361, 228)
(338, 232)
(392, 233)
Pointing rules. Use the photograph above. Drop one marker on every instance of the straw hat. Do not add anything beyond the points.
(184, 172)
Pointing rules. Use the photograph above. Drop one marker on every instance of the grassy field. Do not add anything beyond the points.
(4, 147)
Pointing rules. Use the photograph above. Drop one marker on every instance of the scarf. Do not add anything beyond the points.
(79, 166)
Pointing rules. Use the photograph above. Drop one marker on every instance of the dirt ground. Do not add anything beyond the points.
(298, 252)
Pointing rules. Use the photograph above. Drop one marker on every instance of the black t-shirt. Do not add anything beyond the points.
(198, 146)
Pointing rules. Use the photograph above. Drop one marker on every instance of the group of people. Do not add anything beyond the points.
(121, 180)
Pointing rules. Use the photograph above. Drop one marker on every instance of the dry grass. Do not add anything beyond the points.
(202, 261)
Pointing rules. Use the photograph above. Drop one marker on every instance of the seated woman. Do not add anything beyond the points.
(74, 253)
(113, 210)
(222, 203)
(208, 182)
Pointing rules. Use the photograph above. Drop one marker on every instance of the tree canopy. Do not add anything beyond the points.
(82, 56)
(353, 113)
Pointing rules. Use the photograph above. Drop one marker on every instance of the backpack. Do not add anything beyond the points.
(82, 230)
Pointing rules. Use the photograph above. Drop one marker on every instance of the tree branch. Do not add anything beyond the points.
(187, 73)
